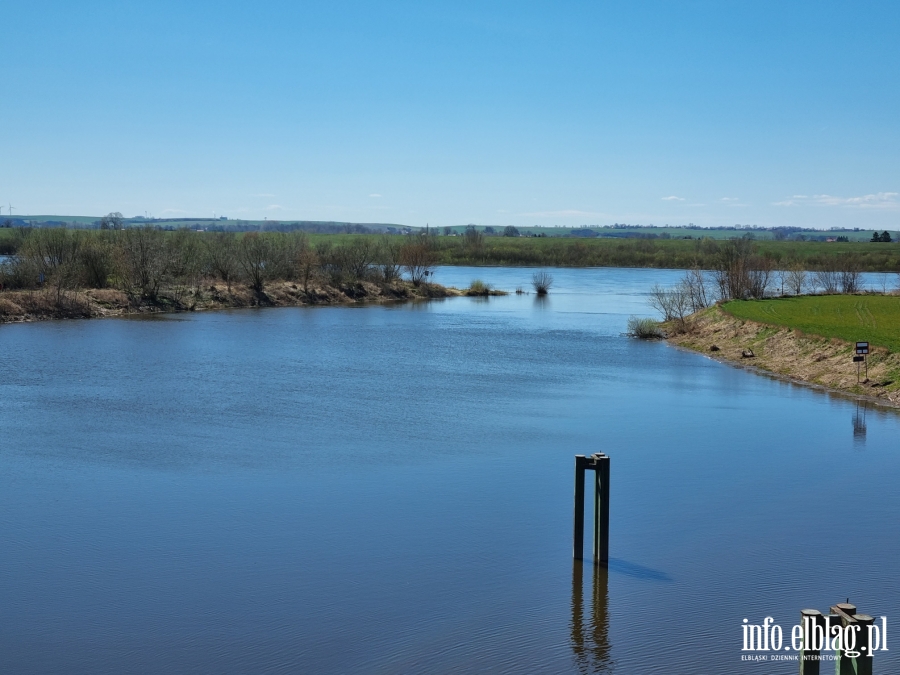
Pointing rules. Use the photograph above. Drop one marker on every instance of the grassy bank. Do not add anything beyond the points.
(791, 354)
(872, 318)
(807, 339)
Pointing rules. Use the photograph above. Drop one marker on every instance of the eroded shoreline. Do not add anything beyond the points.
(788, 354)
(44, 305)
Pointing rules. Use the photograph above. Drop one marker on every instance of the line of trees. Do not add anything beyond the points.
(152, 265)
(741, 271)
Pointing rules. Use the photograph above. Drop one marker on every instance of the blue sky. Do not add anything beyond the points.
(524, 113)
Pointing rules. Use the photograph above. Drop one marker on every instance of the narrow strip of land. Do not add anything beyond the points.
(810, 339)
(38, 305)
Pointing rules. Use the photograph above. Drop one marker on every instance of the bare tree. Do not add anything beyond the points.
(840, 274)
(51, 247)
(742, 273)
(254, 255)
(673, 303)
(98, 260)
(851, 274)
(359, 256)
(307, 264)
(418, 259)
(389, 259)
(694, 286)
(186, 259)
(796, 279)
(145, 261)
(829, 280)
(221, 256)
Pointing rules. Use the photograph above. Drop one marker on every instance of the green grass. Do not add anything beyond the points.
(870, 318)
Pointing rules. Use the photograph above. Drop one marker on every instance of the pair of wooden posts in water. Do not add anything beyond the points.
(818, 634)
(816, 625)
(599, 464)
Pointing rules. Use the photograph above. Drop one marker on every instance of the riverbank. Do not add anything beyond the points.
(791, 354)
(40, 305)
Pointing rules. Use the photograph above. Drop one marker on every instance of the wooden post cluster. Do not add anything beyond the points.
(599, 464)
(818, 634)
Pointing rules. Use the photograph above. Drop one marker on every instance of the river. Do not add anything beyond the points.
(388, 489)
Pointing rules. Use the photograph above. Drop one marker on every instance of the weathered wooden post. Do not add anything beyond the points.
(848, 619)
(843, 613)
(844, 627)
(578, 538)
(599, 463)
(812, 621)
(601, 510)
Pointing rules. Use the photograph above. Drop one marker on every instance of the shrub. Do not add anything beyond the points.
(478, 287)
(542, 281)
(645, 329)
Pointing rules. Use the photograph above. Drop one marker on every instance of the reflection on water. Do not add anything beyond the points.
(859, 423)
(590, 634)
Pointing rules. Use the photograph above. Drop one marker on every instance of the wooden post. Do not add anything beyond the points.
(601, 511)
(809, 657)
(578, 538)
(865, 658)
(599, 463)
(844, 612)
(843, 616)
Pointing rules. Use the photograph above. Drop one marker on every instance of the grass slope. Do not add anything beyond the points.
(873, 318)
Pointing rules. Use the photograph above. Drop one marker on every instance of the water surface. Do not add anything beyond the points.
(389, 490)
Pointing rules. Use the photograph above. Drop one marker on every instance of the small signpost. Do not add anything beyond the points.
(862, 349)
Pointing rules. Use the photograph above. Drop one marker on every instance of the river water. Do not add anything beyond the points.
(389, 490)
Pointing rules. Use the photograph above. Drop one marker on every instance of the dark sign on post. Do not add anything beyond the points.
(862, 349)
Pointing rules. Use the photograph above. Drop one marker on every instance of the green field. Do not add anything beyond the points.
(871, 318)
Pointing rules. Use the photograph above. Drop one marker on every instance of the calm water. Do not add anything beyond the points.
(389, 490)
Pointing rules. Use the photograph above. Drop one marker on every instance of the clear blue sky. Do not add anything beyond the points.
(552, 113)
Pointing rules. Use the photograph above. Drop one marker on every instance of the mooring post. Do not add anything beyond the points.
(865, 658)
(601, 510)
(812, 621)
(578, 539)
(844, 614)
(599, 463)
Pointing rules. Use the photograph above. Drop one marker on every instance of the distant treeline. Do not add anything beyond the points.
(616, 231)
(153, 265)
(116, 221)
(474, 248)
(142, 260)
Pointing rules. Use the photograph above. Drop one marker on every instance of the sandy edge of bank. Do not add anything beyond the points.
(44, 305)
(789, 355)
